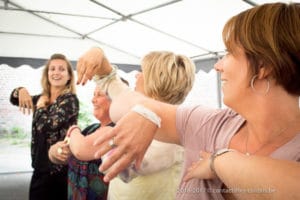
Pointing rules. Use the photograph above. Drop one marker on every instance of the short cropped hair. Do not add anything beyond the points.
(167, 77)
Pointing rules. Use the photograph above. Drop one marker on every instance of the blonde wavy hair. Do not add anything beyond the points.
(167, 77)
(69, 87)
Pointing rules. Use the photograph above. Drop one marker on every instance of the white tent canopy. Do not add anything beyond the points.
(125, 29)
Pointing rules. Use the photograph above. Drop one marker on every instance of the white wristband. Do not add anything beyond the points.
(148, 114)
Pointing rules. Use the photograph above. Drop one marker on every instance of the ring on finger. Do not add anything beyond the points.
(111, 143)
(59, 150)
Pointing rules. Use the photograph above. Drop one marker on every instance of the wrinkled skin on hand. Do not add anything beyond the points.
(91, 63)
(131, 144)
(25, 101)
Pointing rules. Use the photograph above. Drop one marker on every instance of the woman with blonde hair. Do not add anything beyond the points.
(166, 77)
(261, 124)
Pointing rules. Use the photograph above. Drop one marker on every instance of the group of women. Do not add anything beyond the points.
(250, 149)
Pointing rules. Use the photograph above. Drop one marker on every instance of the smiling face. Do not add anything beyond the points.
(101, 105)
(58, 74)
(233, 69)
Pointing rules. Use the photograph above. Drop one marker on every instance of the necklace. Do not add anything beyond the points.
(280, 132)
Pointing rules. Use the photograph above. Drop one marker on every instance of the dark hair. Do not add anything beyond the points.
(270, 36)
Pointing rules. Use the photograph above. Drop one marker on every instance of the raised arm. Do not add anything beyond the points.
(91, 63)
(134, 131)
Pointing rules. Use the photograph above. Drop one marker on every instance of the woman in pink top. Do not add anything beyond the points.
(261, 85)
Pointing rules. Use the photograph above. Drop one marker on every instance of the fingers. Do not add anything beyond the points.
(103, 142)
(113, 154)
(25, 101)
(88, 64)
(26, 107)
(80, 72)
(139, 159)
(193, 171)
(117, 159)
(188, 176)
(90, 71)
(62, 154)
(85, 70)
(200, 169)
(30, 107)
(118, 162)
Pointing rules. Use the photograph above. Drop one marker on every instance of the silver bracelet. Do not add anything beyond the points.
(216, 154)
(148, 114)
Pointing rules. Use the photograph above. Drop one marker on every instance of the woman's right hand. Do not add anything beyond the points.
(59, 152)
(25, 101)
(42, 102)
(93, 62)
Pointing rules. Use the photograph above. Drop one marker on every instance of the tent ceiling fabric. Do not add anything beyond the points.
(126, 30)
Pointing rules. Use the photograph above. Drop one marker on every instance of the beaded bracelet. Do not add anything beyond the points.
(148, 114)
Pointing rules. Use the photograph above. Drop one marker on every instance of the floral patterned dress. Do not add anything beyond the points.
(49, 125)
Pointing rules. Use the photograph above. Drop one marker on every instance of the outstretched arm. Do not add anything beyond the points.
(82, 147)
(133, 132)
(251, 177)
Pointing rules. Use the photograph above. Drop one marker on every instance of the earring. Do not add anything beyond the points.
(253, 88)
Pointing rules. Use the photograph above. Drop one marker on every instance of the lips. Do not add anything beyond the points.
(223, 81)
(97, 107)
(56, 78)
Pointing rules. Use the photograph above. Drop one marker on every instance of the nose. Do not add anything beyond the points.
(93, 100)
(218, 65)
